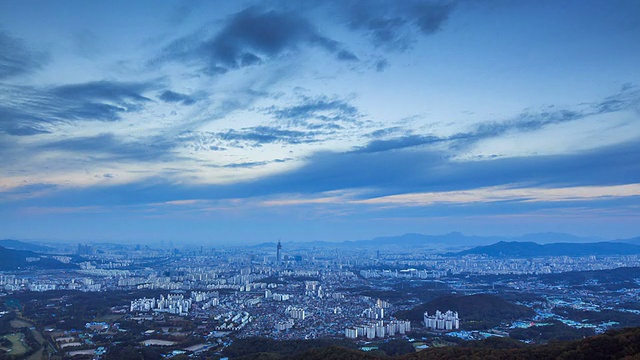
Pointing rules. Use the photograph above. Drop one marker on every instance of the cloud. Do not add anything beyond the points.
(406, 171)
(14, 124)
(316, 108)
(310, 121)
(381, 65)
(250, 137)
(530, 120)
(394, 24)
(16, 59)
(317, 113)
(174, 97)
(429, 17)
(501, 193)
(345, 55)
(384, 132)
(261, 135)
(627, 98)
(375, 175)
(27, 110)
(249, 37)
(103, 91)
(252, 164)
(399, 143)
(25, 192)
(109, 147)
(526, 121)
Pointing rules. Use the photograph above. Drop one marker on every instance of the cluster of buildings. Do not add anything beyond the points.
(125, 267)
(442, 321)
(233, 321)
(406, 273)
(285, 325)
(379, 329)
(176, 303)
(173, 304)
(375, 313)
(269, 295)
(295, 313)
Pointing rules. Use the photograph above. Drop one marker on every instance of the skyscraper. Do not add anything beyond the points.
(279, 255)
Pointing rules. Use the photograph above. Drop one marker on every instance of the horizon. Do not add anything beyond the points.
(190, 244)
(242, 122)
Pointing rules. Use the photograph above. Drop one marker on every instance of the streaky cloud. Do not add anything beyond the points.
(399, 143)
(319, 112)
(526, 121)
(16, 58)
(24, 130)
(27, 110)
(259, 135)
(252, 164)
(103, 90)
(386, 173)
(109, 147)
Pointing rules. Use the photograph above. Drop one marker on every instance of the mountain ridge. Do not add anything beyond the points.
(452, 239)
(22, 259)
(23, 245)
(532, 249)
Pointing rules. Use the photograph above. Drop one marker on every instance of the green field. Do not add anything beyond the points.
(17, 346)
(442, 343)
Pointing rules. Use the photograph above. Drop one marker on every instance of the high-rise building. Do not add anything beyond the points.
(296, 313)
(442, 321)
(350, 333)
(279, 253)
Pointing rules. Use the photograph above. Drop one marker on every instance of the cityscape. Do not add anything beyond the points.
(198, 302)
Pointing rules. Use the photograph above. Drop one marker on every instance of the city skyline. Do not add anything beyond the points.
(245, 122)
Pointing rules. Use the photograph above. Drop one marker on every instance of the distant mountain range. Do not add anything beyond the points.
(531, 249)
(459, 239)
(446, 242)
(454, 239)
(22, 259)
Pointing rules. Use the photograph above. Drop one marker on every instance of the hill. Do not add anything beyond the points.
(621, 275)
(241, 348)
(21, 245)
(634, 241)
(552, 237)
(21, 259)
(531, 249)
(479, 311)
(611, 345)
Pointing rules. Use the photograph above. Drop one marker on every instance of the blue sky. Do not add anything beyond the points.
(220, 122)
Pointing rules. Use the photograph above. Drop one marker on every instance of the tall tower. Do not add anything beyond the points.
(279, 255)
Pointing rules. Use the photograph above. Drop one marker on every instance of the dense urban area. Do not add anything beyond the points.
(116, 301)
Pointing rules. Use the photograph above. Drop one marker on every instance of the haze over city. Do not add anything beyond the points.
(244, 122)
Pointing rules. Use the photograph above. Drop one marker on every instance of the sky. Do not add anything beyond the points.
(239, 122)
